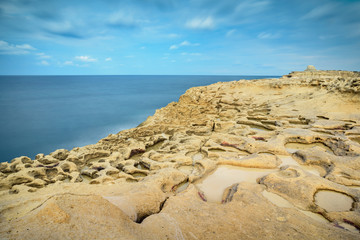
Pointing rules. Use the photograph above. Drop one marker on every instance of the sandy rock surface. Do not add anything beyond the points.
(261, 159)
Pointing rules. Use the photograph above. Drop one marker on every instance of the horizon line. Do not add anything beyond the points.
(40, 75)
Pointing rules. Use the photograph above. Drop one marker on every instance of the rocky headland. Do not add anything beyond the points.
(259, 159)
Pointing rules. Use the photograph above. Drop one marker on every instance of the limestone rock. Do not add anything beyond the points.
(48, 160)
(5, 167)
(18, 163)
(68, 166)
(254, 161)
(16, 189)
(60, 154)
(75, 159)
(93, 173)
(38, 156)
(22, 159)
(4, 184)
(75, 177)
(51, 212)
(95, 154)
(19, 178)
(102, 179)
(291, 138)
(37, 183)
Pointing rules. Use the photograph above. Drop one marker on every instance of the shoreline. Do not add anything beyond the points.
(42, 114)
(148, 182)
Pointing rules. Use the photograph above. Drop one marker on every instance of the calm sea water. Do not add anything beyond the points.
(39, 114)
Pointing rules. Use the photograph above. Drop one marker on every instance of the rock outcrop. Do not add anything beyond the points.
(299, 135)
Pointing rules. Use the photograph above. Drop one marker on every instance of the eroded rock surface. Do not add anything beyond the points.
(300, 133)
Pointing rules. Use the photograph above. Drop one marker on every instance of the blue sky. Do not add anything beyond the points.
(236, 37)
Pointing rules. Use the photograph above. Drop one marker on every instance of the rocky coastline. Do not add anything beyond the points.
(267, 158)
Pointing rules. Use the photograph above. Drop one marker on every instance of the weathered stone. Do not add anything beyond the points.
(102, 179)
(75, 159)
(19, 178)
(37, 183)
(67, 166)
(22, 159)
(21, 189)
(48, 160)
(5, 167)
(303, 128)
(93, 173)
(36, 172)
(17, 164)
(75, 177)
(96, 154)
(51, 212)
(39, 156)
(4, 184)
(60, 177)
(254, 161)
(60, 154)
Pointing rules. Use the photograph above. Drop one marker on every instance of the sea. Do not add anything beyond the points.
(39, 114)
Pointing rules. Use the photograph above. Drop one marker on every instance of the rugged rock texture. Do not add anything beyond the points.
(302, 131)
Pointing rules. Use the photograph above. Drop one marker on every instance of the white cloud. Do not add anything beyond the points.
(108, 59)
(126, 19)
(71, 63)
(173, 35)
(320, 11)
(43, 56)
(9, 8)
(191, 54)
(85, 59)
(172, 47)
(183, 44)
(201, 23)
(121, 19)
(25, 47)
(265, 35)
(12, 49)
(231, 32)
(65, 28)
(45, 63)
(251, 7)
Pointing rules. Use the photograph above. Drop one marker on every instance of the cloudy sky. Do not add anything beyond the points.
(45, 37)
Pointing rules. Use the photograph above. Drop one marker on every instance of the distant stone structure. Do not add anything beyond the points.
(310, 68)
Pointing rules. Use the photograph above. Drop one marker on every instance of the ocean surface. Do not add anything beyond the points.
(39, 114)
